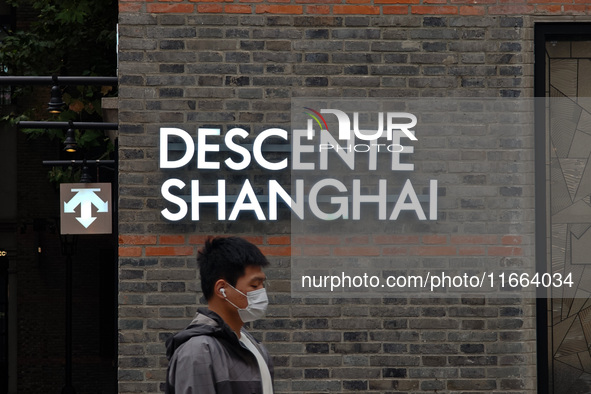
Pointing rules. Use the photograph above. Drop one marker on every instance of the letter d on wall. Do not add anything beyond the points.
(189, 147)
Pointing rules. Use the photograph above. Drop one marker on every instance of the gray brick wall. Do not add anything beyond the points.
(198, 70)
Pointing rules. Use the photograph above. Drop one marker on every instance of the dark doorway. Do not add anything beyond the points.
(40, 269)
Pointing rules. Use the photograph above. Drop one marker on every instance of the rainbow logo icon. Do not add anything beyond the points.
(317, 117)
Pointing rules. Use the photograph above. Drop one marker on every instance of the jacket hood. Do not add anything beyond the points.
(205, 322)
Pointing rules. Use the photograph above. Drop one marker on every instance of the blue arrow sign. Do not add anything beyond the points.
(86, 198)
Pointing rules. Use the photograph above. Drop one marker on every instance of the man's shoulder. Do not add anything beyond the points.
(200, 341)
(201, 347)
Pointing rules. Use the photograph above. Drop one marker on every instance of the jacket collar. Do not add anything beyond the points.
(206, 322)
(206, 317)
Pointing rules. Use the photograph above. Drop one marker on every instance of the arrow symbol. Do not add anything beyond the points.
(86, 198)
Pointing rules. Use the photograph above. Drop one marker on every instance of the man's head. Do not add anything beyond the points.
(228, 258)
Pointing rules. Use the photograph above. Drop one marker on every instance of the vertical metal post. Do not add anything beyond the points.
(4, 307)
(68, 246)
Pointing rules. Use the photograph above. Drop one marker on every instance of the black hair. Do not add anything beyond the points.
(226, 258)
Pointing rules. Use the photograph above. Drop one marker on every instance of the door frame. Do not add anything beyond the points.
(544, 32)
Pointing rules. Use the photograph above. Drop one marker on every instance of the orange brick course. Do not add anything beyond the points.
(169, 250)
(137, 239)
(326, 245)
(172, 239)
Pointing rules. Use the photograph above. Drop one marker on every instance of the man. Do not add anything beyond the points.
(214, 354)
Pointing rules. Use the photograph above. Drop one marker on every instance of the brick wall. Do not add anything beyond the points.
(192, 64)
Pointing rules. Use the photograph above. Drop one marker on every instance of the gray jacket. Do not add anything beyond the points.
(208, 358)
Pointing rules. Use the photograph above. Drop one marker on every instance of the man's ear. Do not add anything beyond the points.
(219, 288)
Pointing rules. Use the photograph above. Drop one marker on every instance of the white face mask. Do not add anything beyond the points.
(257, 304)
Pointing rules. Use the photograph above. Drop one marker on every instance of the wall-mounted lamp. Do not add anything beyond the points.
(56, 104)
(85, 177)
(70, 144)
